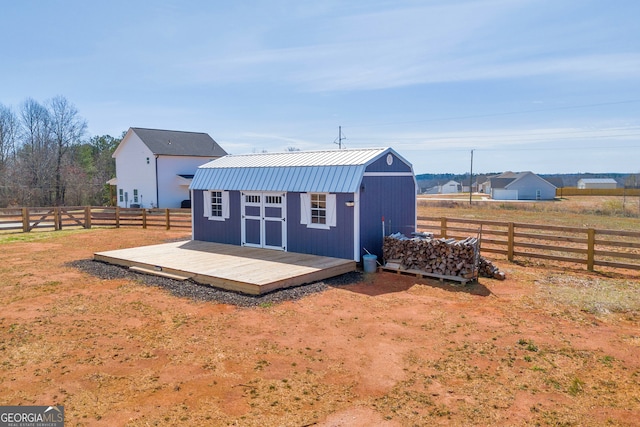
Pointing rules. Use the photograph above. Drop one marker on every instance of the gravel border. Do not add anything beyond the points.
(200, 292)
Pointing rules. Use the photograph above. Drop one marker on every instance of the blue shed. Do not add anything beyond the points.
(331, 203)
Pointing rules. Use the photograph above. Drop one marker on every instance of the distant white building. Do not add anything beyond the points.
(597, 183)
(521, 186)
(448, 187)
(155, 167)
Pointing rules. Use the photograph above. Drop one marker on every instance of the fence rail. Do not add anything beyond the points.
(574, 191)
(586, 246)
(57, 218)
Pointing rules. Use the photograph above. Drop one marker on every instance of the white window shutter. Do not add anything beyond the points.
(225, 204)
(206, 201)
(331, 210)
(305, 208)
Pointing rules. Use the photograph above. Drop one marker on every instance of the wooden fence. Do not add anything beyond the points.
(57, 218)
(574, 191)
(587, 246)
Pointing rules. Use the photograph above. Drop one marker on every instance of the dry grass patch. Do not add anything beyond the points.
(592, 294)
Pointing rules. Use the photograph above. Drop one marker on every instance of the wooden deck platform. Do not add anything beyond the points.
(237, 268)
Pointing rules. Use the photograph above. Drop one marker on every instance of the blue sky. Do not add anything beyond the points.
(543, 85)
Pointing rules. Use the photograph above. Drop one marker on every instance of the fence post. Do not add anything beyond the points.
(117, 216)
(167, 218)
(87, 217)
(591, 243)
(144, 218)
(56, 219)
(25, 220)
(510, 241)
(443, 227)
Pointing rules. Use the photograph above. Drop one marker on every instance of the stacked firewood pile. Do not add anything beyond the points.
(445, 257)
(487, 269)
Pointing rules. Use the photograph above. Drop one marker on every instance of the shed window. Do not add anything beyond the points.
(216, 205)
(318, 210)
(252, 198)
(273, 200)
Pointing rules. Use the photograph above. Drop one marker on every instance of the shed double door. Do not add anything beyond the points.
(264, 220)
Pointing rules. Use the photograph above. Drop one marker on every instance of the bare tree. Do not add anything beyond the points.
(8, 132)
(67, 128)
(35, 154)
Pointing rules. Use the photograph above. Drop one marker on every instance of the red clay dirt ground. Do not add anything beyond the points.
(547, 346)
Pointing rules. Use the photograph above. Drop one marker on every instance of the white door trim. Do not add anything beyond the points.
(263, 200)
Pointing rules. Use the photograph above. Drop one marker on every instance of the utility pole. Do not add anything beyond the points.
(471, 179)
(340, 138)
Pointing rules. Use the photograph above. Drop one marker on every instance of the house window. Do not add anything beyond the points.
(121, 193)
(216, 205)
(135, 195)
(147, 160)
(318, 208)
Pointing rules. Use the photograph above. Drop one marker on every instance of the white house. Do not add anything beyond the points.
(521, 186)
(448, 187)
(605, 183)
(155, 167)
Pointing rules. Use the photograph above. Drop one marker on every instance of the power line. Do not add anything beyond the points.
(501, 135)
(508, 113)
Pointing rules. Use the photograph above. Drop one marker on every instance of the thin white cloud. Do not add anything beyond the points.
(498, 139)
(406, 46)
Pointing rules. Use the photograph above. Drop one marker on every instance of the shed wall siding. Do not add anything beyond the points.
(227, 232)
(336, 242)
(380, 165)
(391, 197)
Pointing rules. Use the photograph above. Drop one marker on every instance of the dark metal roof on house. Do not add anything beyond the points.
(179, 143)
(501, 182)
(506, 179)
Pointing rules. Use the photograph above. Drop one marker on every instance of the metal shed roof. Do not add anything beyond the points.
(331, 171)
(598, 181)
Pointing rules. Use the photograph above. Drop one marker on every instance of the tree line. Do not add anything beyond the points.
(47, 158)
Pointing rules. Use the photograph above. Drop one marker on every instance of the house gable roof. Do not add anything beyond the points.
(177, 143)
(500, 182)
(508, 179)
(331, 171)
(522, 175)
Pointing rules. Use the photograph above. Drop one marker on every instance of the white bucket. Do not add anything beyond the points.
(369, 261)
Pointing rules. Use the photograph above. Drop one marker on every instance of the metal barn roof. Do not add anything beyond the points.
(598, 181)
(331, 171)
